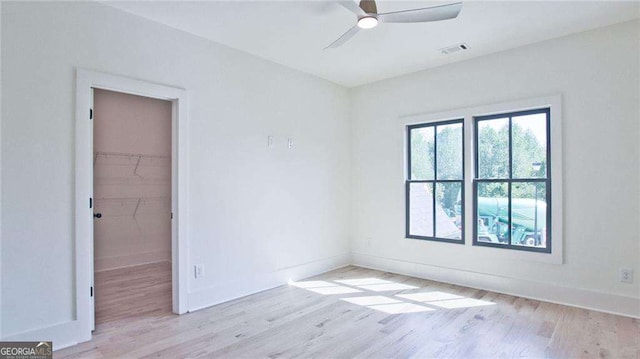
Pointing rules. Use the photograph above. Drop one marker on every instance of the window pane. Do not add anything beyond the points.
(529, 214)
(493, 148)
(529, 136)
(449, 152)
(421, 209)
(449, 210)
(422, 150)
(493, 212)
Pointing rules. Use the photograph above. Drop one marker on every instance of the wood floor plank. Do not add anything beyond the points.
(140, 291)
(339, 315)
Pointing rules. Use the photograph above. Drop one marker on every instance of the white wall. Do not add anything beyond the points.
(597, 74)
(256, 215)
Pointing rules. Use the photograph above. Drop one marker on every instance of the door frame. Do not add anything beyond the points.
(86, 81)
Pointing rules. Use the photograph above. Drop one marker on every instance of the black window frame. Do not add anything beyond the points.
(435, 181)
(511, 180)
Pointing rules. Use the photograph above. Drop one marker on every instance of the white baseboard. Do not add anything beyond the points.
(61, 335)
(257, 283)
(66, 334)
(130, 260)
(548, 292)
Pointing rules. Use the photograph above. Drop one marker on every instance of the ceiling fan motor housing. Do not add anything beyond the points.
(369, 6)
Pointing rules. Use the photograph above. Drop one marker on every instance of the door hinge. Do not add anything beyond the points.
(92, 291)
(91, 114)
(171, 215)
(90, 202)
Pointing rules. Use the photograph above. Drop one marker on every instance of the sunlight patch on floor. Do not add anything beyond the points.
(371, 300)
(445, 300)
(325, 288)
(401, 303)
(387, 287)
(400, 308)
(363, 281)
(312, 284)
(429, 296)
(375, 284)
(460, 303)
(387, 305)
(334, 290)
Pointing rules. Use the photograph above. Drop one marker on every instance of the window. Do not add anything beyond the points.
(435, 182)
(507, 159)
(512, 188)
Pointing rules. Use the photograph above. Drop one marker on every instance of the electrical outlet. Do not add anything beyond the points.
(626, 275)
(198, 270)
(290, 143)
(368, 242)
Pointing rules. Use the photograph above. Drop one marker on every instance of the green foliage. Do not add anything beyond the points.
(493, 160)
(422, 154)
(449, 153)
(493, 151)
(449, 165)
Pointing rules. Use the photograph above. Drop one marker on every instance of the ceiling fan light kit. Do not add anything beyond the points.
(367, 22)
(368, 17)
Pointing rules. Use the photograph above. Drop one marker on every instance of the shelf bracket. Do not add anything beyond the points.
(135, 171)
(136, 210)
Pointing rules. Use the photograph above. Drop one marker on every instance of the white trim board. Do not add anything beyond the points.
(231, 290)
(86, 81)
(0, 173)
(65, 334)
(547, 292)
(62, 335)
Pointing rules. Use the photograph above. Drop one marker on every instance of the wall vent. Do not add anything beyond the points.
(453, 49)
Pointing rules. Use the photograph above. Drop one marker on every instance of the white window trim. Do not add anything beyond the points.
(554, 102)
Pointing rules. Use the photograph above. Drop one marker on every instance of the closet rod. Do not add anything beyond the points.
(125, 154)
(133, 199)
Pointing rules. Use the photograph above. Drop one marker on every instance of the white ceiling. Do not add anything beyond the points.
(294, 33)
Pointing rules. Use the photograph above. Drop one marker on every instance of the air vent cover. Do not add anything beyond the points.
(453, 49)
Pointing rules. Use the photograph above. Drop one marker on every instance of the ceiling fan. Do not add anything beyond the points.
(368, 16)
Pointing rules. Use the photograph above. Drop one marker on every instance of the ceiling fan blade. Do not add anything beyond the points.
(434, 13)
(353, 7)
(344, 38)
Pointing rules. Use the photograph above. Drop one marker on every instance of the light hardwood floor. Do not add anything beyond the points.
(358, 313)
(133, 292)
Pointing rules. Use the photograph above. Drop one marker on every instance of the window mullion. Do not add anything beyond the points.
(435, 177)
(433, 206)
(409, 154)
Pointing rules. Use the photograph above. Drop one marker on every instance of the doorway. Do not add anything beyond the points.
(86, 83)
(132, 206)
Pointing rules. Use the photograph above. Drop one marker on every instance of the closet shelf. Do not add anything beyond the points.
(132, 165)
(130, 206)
(131, 181)
(130, 159)
(119, 199)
